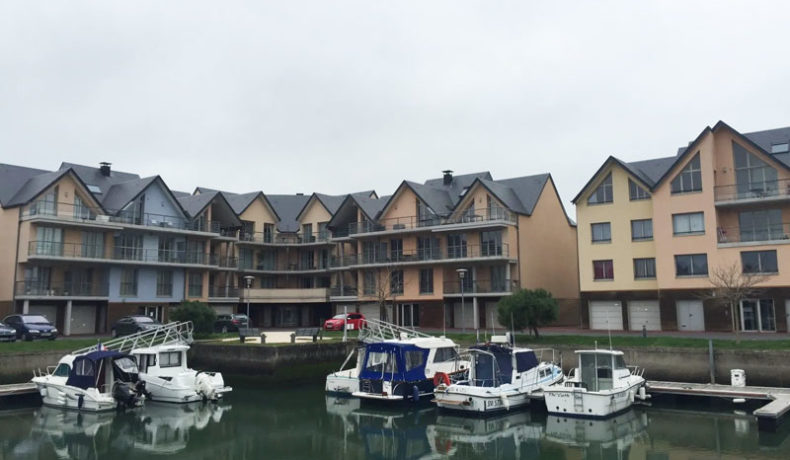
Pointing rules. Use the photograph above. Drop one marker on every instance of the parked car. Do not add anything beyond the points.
(133, 324)
(7, 333)
(30, 327)
(230, 323)
(335, 323)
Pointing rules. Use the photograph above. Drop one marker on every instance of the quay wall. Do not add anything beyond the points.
(19, 367)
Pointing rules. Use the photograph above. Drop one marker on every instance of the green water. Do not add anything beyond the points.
(301, 422)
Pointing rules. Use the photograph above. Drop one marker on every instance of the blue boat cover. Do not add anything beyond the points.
(403, 363)
(84, 368)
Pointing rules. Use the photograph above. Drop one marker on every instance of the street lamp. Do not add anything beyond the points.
(461, 275)
(248, 279)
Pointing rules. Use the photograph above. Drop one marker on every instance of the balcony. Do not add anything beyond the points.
(69, 251)
(481, 287)
(268, 239)
(769, 234)
(755, 192)
(484, 218)
(293, 295)
(286, 267)
(38, 289)
(465, 253)
(224, 262)
(343, 292)
(223, 293)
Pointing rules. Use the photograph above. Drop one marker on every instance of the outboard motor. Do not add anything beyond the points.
(205, 386)
(126, 394)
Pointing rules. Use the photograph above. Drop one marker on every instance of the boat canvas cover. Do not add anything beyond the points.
(394, 361)
(85, 367)
(484, 367)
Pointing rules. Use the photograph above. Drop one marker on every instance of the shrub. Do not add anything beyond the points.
(529, 309)
(201, 315)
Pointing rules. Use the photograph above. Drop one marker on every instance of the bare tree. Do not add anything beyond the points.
(730, 286)
(384, 291)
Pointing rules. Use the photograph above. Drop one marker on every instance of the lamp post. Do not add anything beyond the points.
(248, 280)
(461, 276)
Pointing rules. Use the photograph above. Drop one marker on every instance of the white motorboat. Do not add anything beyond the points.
(346, 380)
(500, 378)
(167, 377)
(94, 381)
(601, 385)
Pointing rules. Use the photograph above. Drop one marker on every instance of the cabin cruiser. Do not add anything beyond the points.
(601, 385)
(346, 380)
(407, 370)
(96, 381)
(167, 378)
(500, 378)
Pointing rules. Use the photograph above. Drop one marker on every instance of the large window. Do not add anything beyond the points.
(427, 248)
(762, 225)
(759, 262)
(93, 245)
(369, 283)
(268, 233)
(603, 270)
(129, 247)
(456, 245)
(688, 224)
(758, 315)
(753, 176)
(307, 233)
(691, 265)
(164, 283)
(245, 258)
(396, 282)
(128, 282)
(491, 243)
(603, 193)
(645, 268)
(50, 241)
(689, 179)
(396, 249)
(642, 229)
(47, 204)
(636, 192)
(170, 359)
(81, 211)
(601, 232)
(195, 284)
(426, 281)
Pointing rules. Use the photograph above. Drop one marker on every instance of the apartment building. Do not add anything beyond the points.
(653, 234)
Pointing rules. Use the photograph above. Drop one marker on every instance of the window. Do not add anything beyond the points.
(93, 245)
(47, 204)
(759, 262)
(323, 232)
(603, 270)
(128, 282)
(427, 248)
(602, 194)
(491, 243)
(758, 315)
(50, 241)
(268, 233)
(498, 278)
(689, 179)
(644, 268)
(62, 370)
(167, 250)
(636, 192)
(396, 282)
(765, 225)
(381, 361)
(81, 211)
(170, 359)
(446, 354)
(426, 281)
(425, 215)
(307, 233)
(195, 284)
(414, 359)
(396, 249)
(369, 283)
(691, 265)
(689, 223)
(601, 232)
(642, 229)
(245, 258)
(129, 247)
(456, 245)
(753, 176)
(267, 282)
(782, 147)
(164, 283)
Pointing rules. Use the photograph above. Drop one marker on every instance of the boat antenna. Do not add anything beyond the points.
(609, 331)
(512, 332)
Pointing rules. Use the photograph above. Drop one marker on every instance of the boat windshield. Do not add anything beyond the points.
(596, 370)
(127, 365)
(445, 354)
(380, 361)
(62, 370)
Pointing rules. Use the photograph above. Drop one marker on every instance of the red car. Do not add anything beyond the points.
(354, 321)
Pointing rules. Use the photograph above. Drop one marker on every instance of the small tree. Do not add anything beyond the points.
(730, 286)
(384, 293)
(201, 315)
(529, 309)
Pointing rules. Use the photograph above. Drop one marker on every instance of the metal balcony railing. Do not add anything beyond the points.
(416, 222)
(777, 232)
(481, 286)
(343, 291)
(283, 239)
(39, 288)
(461, 252)
(221, 292)
(752, 190)
(82, 251)
(224, 261)
(276, 266)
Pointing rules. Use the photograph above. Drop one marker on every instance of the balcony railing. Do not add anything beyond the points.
(41, 289)
(82, 251)
(224, 261)
(343, 291)
(222, 292)
(462, 252)
(288, 266)
(753, 191)
(481, 286)
(417, 222)
(266, 238)
(777, 232)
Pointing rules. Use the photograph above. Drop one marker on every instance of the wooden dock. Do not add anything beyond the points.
(768, 417)
(18, 389)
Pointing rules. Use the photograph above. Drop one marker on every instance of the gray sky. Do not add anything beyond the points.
(335, 97)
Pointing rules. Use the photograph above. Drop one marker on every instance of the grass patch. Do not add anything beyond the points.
(47, 345)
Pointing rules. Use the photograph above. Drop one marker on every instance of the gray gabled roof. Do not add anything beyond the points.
(13, 179)
(194, 204)
(288, 207)
(650, 171)
(120, 194)
(240, 202)
(370, 206)
(519, 194)
(439, 200)
(34, 186)
(93, 176)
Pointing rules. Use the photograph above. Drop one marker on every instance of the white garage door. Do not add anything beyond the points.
(83, 319)
(690, 315)
(491, 316)
(224, 309)
(644, 313)
(369, 310)
(464, 318)
(48, 311)
(606, 315)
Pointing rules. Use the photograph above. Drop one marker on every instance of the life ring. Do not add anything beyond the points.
(441, 377)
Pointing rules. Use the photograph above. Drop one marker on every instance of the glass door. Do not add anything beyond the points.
(767, 315)
(749, 315)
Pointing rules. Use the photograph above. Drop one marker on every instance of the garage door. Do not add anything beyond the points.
(690, 315)
(491, 316)
(369, 310)
(464, 318)
(644, 313)
(83, 319)
(48, 311)
(224, 309)
(606, 315)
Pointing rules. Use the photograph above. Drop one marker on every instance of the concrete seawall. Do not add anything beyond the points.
(18, 367)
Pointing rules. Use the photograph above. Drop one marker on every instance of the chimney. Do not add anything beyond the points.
(104, 167)
(300, 194)
(448, 177)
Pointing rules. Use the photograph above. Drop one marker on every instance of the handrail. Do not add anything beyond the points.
(171, 333)
(494, 214)
(374, 330)
(752, 190)
(469, 251)
(772, 232)
(126, 253)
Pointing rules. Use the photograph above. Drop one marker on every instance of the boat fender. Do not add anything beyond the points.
(631, 396)
(415, 394)
(505, 401)
(441, 377)
(80, 401)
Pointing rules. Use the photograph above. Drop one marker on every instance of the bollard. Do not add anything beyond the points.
(293, 337)
(263, 338)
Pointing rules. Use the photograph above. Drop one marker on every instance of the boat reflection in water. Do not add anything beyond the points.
(515, 435)
(157, 429)
(599, 438)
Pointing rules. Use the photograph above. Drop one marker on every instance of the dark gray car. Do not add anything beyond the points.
(7, 333)
(133, 324)
(31, 327)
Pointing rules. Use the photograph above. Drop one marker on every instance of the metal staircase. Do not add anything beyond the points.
(167, 334)
(374, 330)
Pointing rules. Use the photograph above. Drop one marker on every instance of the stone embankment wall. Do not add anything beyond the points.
(19, 367)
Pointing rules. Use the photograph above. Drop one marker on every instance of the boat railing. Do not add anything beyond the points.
(540, 351)
(374, 330)
(636, 370)
(170, 333)
(39, 373)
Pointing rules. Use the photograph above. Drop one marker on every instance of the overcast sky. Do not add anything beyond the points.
(329, 96)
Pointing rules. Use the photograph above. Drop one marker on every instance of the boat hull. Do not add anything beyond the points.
(69, 397)
(344, 382)
(480, 404)
(578, 402)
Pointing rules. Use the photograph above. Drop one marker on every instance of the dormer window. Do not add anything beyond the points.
(781, 147)
(94, 189)
(689, 179)
(602, 194)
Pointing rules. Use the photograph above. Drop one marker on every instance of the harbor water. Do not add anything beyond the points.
(301, 422)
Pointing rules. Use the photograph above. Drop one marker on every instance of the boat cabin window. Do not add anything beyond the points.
(486, 370)
(619, 362)
(62, 370)
(83, 367)
(414, 359)
(146, 361)
(445, 354)
(596, 369)
(379, 361)
(126, 364)
(170, 359)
